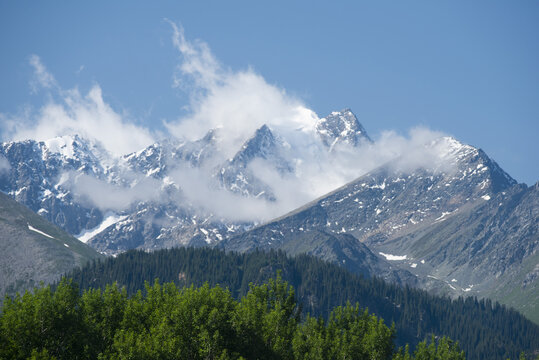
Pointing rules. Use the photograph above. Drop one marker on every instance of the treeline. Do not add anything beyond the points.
(165, 322)
(484, 330)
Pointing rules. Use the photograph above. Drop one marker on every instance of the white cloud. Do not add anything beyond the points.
(238, 102)
(319, 173)
(4, 165)
(200, 192)
(86, 115)
(198, 61)
(106, 196)
(42, 77)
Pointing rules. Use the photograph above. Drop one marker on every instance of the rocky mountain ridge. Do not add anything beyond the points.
(48, 177)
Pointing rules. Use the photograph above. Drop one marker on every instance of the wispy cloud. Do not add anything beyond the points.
(4, 165)
(42, 77)
(198, 61)
(238, 102)
(73, 113)
(106, 196)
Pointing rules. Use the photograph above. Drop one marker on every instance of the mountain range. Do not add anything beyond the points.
(63, 179)
(441, 216)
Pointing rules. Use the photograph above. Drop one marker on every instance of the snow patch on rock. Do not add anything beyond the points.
(393, 257)
(30, 227)
(110, 219)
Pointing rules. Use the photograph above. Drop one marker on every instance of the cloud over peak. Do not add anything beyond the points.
(238, 102)
(70, 112)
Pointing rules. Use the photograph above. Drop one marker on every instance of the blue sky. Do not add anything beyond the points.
(468, 69)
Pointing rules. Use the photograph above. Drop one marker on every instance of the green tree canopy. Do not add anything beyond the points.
(166, 322)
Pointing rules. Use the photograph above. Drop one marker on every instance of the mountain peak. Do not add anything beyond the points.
(341, 127)
(75, 147)
(263, 132)
(237, 176)
(259, 145)
(472, 161)
(210, 136)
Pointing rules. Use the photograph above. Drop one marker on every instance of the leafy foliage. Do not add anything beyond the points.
(165, 322)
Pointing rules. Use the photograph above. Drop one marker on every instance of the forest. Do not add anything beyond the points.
(208, 304)
(165, 322)
(483, 329)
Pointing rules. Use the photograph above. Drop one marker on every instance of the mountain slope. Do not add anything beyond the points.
(304, 233)
(34, 250)
(486, 250)
(461, 230)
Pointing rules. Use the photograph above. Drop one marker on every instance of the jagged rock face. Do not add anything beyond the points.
(156, 160)
(487, 249)
(236, 175)
(35, 178)
(341, 127)
(160, 225)
(492, 235)
(389, 201)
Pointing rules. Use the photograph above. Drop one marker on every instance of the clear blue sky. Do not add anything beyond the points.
(466, 68)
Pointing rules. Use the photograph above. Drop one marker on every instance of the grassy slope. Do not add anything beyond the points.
(29, 257)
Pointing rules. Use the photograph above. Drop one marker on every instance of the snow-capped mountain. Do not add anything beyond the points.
(341, 127)
(47, 177)
(236, 176)
(150, 201)
(390, 200)
(38, 171)
(63, 179)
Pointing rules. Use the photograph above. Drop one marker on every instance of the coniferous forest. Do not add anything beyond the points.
(214, 305)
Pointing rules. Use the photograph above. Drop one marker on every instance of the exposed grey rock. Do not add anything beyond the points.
(342, 127)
